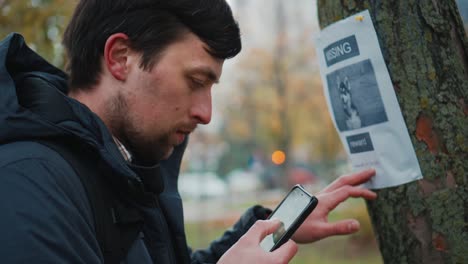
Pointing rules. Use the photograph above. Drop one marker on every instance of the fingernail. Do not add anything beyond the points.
(275, 221)
(353, 226)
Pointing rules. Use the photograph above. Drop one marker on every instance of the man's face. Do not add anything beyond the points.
(156, 109)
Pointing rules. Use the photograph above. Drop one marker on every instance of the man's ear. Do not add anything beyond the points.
(116, 52)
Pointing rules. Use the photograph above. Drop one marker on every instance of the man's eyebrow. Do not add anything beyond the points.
(207, 71)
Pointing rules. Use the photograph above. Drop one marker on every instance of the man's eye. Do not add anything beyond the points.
(197, 83)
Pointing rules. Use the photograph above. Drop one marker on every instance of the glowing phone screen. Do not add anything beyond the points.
(291, 208)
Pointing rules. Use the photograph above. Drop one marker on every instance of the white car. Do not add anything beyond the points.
(201, 185)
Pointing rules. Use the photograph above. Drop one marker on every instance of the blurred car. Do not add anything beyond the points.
(240, 180)
(300, 175)
(201, 185)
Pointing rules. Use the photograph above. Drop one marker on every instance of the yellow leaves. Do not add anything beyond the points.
(424, 103)
(240, 129)
(35, 20)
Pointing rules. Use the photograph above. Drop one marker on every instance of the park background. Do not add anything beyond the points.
(270, 130)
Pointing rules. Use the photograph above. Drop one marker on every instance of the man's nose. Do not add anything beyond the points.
(201, 108)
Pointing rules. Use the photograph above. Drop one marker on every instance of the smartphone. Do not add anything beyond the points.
(292, 211)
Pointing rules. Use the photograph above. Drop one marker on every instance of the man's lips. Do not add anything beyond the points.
(187, 130)
(181, 134)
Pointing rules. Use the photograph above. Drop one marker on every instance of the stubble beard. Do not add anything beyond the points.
(145, 150)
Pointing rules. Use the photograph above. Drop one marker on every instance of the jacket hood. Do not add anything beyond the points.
(26, 111)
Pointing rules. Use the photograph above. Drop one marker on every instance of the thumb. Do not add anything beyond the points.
(263, 228)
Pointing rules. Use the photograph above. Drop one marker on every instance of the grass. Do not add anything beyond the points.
(359, 248)
(337, 250)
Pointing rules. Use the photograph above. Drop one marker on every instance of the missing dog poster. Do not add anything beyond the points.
(363, 104)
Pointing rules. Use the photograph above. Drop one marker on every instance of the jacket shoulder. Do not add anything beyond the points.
(44, 207)
(39, 163)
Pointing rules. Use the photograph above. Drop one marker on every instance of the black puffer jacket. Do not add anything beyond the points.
(45, 213)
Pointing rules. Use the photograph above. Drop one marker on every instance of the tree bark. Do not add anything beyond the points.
(425, 48)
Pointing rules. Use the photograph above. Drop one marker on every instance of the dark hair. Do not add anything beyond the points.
(151, 26)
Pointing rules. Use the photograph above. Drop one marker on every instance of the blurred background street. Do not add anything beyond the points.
(270, 128)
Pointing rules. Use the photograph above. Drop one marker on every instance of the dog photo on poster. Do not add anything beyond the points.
(362, 102)
(355, 96)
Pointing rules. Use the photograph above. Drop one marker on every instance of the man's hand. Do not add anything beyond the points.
(248, 250)
(316, 226)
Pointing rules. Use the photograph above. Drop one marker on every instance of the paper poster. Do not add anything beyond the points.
(363, 104)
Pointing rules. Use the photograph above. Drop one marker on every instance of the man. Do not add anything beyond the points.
(140, 82)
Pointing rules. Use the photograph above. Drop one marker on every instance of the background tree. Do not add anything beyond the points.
(41, 22)
(425, 48)
(278, 101)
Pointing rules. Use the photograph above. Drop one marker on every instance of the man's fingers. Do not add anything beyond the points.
(334, 198)
(286, 252)
(263, 228)
(351, 179)
(359, 192)
(343, 227)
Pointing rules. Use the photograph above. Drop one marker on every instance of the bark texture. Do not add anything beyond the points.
(425, 48)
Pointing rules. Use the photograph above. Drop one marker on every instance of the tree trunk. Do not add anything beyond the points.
(425, 48)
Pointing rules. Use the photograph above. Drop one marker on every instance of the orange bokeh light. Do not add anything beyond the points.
(278, 157)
